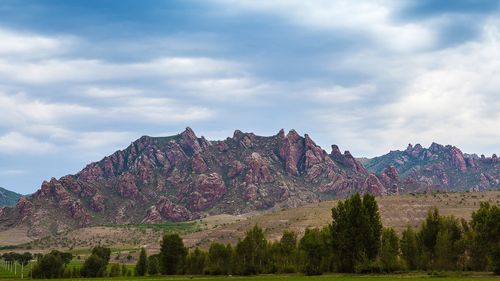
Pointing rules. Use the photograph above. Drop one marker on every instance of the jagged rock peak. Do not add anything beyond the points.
(281, 134)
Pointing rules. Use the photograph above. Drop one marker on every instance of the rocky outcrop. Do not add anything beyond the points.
(438, 167)
(172, 212)
(205, 191)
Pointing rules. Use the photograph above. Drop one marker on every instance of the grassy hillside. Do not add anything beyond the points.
(8, 198)
(396, 211)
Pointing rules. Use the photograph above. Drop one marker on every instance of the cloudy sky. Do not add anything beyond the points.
(81, 79)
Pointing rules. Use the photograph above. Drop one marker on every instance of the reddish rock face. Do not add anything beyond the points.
(457, 159)
(374, 186)
(152, 216)
(207, 189)
(171, 211)
(126, 186)
(25, 208)
(259, 171)
(97, 203)
(235, 169)
(291, 152)
(198, 164)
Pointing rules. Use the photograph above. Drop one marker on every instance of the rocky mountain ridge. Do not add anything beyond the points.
(185, 177)
(440, 167)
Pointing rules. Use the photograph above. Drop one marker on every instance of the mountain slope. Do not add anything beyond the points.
(184, 177)
(440, 167)
(8, 198)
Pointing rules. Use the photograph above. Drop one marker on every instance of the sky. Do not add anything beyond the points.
(80, 79)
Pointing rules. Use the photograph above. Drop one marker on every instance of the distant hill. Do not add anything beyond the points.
(8, 198)
(439, 167)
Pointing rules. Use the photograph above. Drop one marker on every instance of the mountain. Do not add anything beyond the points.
(184, 177)
(439, 167)
(8, 198)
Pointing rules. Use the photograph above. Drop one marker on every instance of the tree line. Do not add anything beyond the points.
(354, 242)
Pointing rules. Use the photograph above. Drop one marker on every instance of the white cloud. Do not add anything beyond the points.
(368, 18)
(88, 70)
(340, 94)
(157, 110)
(20, 109)
(448, 96)
(109, 92)
(31, 45)
(14, 142)
(224, 89)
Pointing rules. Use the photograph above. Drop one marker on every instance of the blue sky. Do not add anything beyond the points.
(81, 79)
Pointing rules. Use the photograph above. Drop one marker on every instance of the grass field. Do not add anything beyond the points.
(290, 278)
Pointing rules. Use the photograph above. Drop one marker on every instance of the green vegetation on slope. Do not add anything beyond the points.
(8, 198)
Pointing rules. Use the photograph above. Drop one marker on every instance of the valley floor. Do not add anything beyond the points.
(391, 277)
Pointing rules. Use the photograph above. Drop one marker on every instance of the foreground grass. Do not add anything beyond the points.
(392, 277)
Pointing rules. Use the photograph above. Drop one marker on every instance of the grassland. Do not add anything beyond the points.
(396, 212)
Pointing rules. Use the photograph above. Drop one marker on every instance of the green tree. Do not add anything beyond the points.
(486, 225)
(141, 266)
(313, 250)
(172, 254)
(102, 252)
(429, 231)
(49, 266)
(356, 230)
(409, 248)
(196, 262)
(114, 271)
(389, 250)
(250, 252)
(153, 265)
(288, 247)
(220, 259)
(373, 225)
(124, 270)
(94, 266)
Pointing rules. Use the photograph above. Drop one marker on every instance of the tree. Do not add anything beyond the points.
(49, 266)
(313, 250)
(153, 265)
(141, 267)
(172, 254)
(409, 248)
(373, 225)
(219, 259)
(196, 262)
(250, 252)
(288, 247)
(114, 271)
(356, 230)
(429, 231)
(486, 223)
(124, 270)
(102, 252)
(95, 265)
(389, 250)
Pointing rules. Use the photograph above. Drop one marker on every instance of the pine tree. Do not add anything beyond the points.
(196, 262)
(153, 265)
(313, 251)
(356, 230)
(409, 248)
(172, 254)
(389, 250)
(141, 266)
